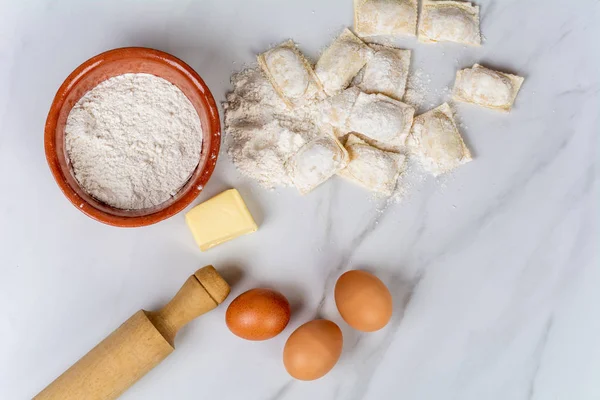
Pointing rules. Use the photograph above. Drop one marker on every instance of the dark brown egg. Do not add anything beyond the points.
(258, 314)
(313, 349)
(363, 300)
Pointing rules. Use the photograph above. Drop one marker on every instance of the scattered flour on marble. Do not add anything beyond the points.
(416, 88)
(413, 178)
(262, 132)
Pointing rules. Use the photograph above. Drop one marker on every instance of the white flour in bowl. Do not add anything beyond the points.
(133, 141)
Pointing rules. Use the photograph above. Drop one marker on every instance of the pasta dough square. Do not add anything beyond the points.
(386, 72)
(290, 74)
(341, 61)
(316, 162)
(381, 119)
(385, 17)
(372, 168)
(335, 110)
(435, 140)
(486, 87)
(451, 21)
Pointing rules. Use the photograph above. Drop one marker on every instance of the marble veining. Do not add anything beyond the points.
(494, 269)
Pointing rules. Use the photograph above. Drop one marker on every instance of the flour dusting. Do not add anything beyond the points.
(262, 132)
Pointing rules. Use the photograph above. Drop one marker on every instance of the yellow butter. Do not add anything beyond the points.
(222, 218)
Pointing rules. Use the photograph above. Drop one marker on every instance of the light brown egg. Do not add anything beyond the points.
(313, 349)
(363, 300)
(258, 314)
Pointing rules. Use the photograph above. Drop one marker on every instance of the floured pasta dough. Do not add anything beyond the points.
(452, 21)
(381, 118)
(385, 17)
(486, 87)
(335, 110)
(372, 168)
(386, 72)
(435, 140)
(315, 162)
(341, 61)
(290, 74)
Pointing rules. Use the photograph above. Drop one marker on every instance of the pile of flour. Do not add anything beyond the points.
(133, 141)
(262, 132)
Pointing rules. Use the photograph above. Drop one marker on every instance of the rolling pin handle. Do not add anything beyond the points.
(200, 293)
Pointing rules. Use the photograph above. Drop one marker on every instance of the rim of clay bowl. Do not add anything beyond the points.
(117, 62)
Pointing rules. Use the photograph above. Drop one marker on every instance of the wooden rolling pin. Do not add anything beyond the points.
(138, 345)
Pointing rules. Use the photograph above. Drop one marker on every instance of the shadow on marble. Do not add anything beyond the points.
(252, 203)
(233, 274)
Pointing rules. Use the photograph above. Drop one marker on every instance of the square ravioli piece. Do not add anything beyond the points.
(341, 61)
(435, 140)
(486, 87)
(385, 17)
(386, 72)
(450, 21)
(290, 74)
(315, 162)
(335, 110)
(372, 168)
(384, 120)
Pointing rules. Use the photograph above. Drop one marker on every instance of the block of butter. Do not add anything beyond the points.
(222, 218)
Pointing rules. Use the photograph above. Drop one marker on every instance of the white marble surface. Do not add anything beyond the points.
(497, 267)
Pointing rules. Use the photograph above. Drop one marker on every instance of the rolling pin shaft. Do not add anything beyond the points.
(138, 345)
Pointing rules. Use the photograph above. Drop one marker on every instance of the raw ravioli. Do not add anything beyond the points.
(386, 72)
(435, 140)
(290, 74)
(315, 162)
(341, 61)
(381, 118)
(335, 110)
(451, 21)
(486, 87)
(372, 168)
(385, 17)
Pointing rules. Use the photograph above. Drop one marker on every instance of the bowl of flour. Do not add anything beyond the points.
(132, 136)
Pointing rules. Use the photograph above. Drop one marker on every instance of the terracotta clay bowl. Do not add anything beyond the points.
(105, 66)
